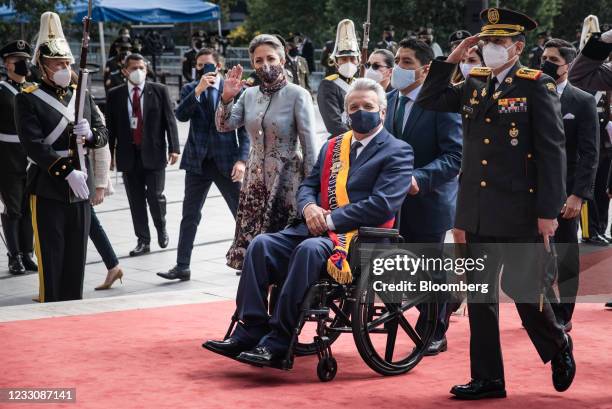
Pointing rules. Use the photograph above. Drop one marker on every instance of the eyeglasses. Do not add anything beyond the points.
(375, 66)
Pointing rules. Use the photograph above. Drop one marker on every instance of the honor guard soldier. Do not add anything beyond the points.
(198, 38)
(44, 116)
(16, 220)
(511, 189)
(330, 96)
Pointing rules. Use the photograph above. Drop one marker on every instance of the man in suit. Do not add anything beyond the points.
(580, 123)
(511, 190)
(209, 157)
(378, 165)
(140, 120)
(429, 209)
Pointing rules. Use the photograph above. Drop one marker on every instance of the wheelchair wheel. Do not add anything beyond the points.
(327, 368)
(385, 333)
(339, 312)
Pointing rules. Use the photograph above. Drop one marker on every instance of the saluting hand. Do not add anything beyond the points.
(462, 49)
(233, 83)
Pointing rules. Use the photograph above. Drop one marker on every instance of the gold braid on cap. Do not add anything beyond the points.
(501, 30)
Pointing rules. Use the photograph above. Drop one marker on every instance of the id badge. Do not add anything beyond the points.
(134, 122)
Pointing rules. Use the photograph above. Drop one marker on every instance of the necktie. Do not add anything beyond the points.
(353, 153)
(211, 98)
(398, 126)
(137, 113)
(492, 86)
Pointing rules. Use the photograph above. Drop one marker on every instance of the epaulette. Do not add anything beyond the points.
(528, 73)
(480, 72)
(332, 77)
(73, 86)
(30, 89)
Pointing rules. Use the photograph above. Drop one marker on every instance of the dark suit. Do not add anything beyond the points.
(209, 156)
(143, 166)
(435, 138)
(512, 173)
(581, 127)
(297, 259)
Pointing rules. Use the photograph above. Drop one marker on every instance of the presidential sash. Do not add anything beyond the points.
(334, 195)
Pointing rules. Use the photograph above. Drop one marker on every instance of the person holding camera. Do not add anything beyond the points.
(210, 156)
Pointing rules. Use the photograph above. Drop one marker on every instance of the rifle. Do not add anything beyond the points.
(76, 142)
(365, 42)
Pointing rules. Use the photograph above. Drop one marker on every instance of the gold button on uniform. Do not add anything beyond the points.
(483, 184)
(484, 162)
(56, 173)
(529, 156)
(488, 120)
(531, 190)
(63, 166)
(486, 141)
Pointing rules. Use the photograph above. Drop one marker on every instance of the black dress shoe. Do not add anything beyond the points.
(16, 265)
(609, 304)
(260, 356)
(177, 273)
(28, 263)
(436, 347)
(596, 241)
(162, 238)
(564, 367)
(567, 326)
(140, 249)
(480, 389)
(230, 347)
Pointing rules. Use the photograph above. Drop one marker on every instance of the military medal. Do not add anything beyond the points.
(336, 167)
(513, 132)
(496, 95)
(508, 80)
(484, 92)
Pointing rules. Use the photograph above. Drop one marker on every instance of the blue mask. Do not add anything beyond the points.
(401, 78)
(364, 121)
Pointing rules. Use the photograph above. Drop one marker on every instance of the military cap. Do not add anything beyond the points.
(388, 28)
(504, 23)
(18, 48)
(458, 35)
(198, 34)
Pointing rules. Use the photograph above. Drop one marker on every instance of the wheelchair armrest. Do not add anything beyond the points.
(378, 233)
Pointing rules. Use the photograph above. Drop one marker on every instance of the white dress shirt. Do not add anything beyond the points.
(216, 85)
(502, 76)
(412, 95)
(131, 94)
(561, 87)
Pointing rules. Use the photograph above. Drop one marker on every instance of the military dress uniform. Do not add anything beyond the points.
(112, 73)
(512, 173)
(44, 117)
(16, 220)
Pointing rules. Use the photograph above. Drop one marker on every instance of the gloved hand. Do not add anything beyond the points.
(82, 129)
(78, 183)
(607, 37)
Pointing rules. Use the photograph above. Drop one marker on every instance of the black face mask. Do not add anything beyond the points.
(198, 44)
(21, 68)
(550, 68)
(389, 38)
(293, 52)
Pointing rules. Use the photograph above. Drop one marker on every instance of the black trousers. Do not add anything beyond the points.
(568, 263)
(196, 191)
(546, 334)
(145, 186)
(16, 218)
(61, 231)
(100, 240)
(445, 309)
(597, 208)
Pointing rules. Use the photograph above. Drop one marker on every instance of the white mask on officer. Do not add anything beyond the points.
(62, 77)
(347, 70)
(137, 77)
(496, 55)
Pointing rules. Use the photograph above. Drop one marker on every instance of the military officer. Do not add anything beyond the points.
(535, 55)
(112, 71)
(297, 65)
(457, 37)
(44, 117)
(330, 96)
(16, 220)
(198, 38)
(387, 42)
(512, 188)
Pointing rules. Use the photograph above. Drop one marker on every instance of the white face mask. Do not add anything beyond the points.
(137, 76)
(347, 70)
(62, 77)
(466, 68)
(402, 78)
(374, 75)
(495, 55)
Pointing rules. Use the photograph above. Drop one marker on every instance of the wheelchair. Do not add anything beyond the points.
(357, 309)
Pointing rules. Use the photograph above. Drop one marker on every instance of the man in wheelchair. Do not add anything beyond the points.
(360, 179)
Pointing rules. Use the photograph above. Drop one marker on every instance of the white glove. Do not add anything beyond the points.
(609, 130)
(82, 129)
(78, 183)
(607, 37)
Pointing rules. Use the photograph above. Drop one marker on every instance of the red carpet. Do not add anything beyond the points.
(152, 358)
